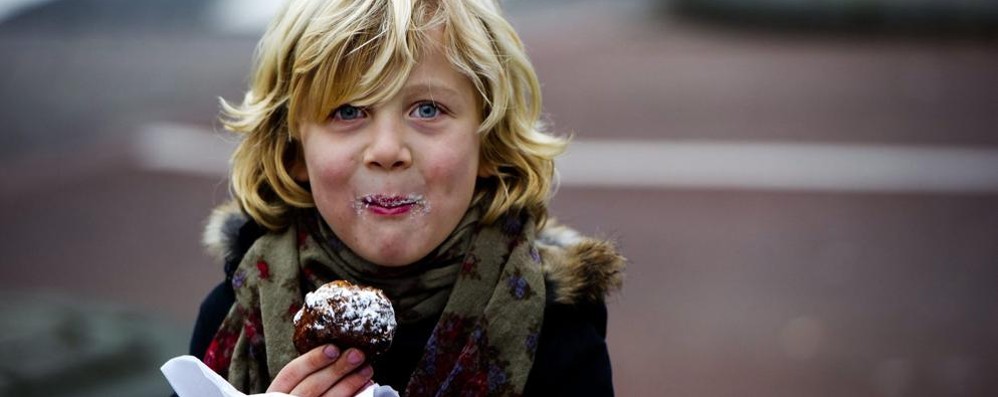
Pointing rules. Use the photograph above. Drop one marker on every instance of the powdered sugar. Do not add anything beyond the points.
(420, 205)
(350, 310)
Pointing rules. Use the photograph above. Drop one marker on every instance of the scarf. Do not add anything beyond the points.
(487, 279)
(417, 291)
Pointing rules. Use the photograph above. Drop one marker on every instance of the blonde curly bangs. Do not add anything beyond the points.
(318, 54)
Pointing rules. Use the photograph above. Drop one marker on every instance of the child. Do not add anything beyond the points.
(394, 143)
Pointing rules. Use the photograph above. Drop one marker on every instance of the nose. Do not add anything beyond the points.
(388, 149)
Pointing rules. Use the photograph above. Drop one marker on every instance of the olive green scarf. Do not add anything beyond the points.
(484, 281)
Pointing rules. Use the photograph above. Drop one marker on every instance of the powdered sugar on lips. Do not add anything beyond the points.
(392, 204)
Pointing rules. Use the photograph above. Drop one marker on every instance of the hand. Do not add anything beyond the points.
(324, 372)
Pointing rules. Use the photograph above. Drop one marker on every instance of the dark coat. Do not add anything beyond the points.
(571, 356)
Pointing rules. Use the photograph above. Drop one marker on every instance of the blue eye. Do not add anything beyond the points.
(348, 112)
(426, 110)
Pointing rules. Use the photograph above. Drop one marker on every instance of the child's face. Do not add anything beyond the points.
(393, 180)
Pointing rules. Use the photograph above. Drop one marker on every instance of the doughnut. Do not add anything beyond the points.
(345, 315)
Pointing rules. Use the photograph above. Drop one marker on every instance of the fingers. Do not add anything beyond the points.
(303, 366)
(338, 378)
(351, 384)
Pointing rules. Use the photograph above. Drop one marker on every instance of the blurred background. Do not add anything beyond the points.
(807, 189)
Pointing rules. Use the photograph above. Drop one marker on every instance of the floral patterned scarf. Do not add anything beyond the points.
(483, 344)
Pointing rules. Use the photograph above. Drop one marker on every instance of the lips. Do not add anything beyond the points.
(391, 201)
(390, 204)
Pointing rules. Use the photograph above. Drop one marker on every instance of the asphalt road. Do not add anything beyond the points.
(730, 291)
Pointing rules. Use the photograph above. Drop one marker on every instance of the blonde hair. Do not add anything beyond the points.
(318, 54)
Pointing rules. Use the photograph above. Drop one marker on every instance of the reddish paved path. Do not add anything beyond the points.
(729, 293)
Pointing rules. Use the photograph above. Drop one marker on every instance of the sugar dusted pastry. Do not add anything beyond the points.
(345, 315)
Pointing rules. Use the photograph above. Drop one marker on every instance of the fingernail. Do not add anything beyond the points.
(366, 371)
(354, 357)
(331, 351)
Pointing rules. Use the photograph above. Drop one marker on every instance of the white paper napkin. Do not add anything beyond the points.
(191, 378)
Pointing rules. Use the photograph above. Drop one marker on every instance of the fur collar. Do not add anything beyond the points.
(577, 269)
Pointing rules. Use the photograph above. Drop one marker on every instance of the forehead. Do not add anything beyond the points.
(434, 74)
(360, 78)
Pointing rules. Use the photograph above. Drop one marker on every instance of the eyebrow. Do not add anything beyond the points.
(433, 87)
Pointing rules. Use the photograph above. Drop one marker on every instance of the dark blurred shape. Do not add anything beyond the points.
(52, 346)
(90, 16)
(928, 17)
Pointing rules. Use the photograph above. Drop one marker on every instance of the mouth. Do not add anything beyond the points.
(390, 204)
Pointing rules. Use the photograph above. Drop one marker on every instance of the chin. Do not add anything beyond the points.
(392, 261)
(392, 256)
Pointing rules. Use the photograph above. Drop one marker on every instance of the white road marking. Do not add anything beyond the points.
(243, 16)
(184, 149)
(9, 8)
(678, 164)
(780, 166)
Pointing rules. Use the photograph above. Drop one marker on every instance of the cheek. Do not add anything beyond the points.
(331, 173)
(326, 166)
(459, 163)
(456, 170)
(328, 177)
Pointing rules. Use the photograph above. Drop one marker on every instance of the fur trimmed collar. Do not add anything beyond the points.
(578, 269)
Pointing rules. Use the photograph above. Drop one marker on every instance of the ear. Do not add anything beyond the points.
(298, 168)
(299, 171)
(485, 169)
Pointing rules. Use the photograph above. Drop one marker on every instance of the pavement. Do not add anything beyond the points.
(732, 289)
